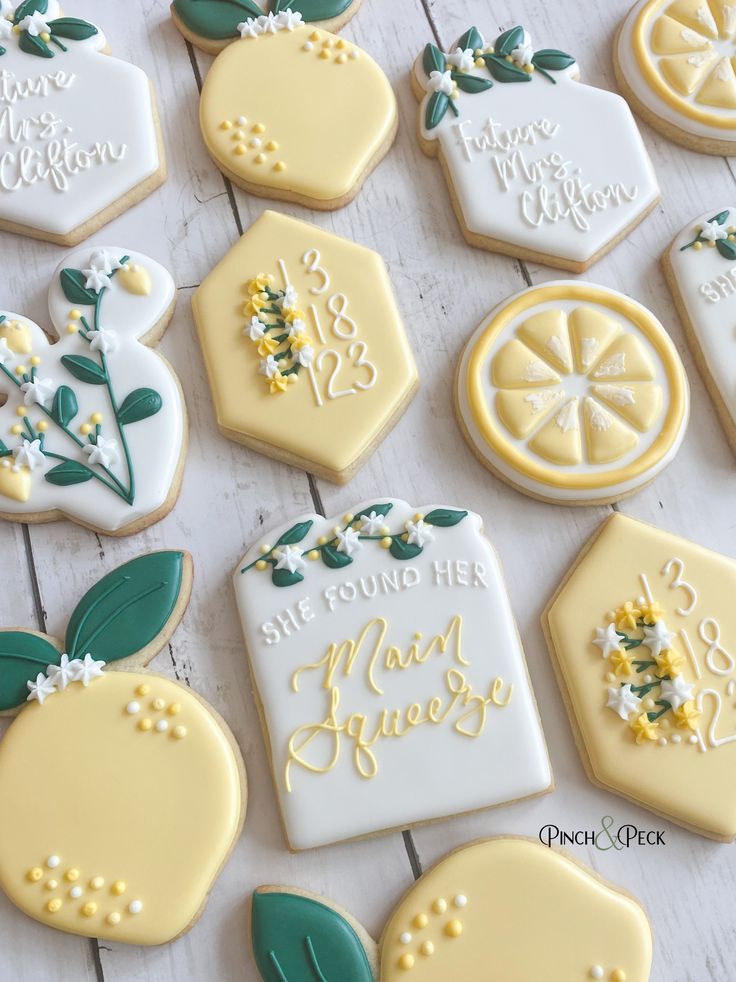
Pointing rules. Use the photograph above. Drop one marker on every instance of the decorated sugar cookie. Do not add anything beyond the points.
(305, 348)
(674, 63)
(539, 166)
(572, 393)
(643, 636)
(94, 426)
(382, 702)
(143, 790)
(700, 266)
(213, 24)
(292, 112)
(69, 163)
(467, 918)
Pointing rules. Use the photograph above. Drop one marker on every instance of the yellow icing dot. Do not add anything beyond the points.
(71, 328)
(272, 145)
(21, 411)
(324, 54)
(420, 921)
(265, 548)
(113, 918)
(20, 370)
(241, 150)
(51, 884)
(406, 962)
(53, 905)
(35, 874)
(322, 540)
(454, 928)
(179, 732)
(158, 704)
(35, 360)
(314, 36)
(327, 43)
(42, 426)
(259, 128)
(45, 36)
(313, 555)
(75, 315)
(145, 725)
(279, 166)
(697, 246)
(117, 888)
(386, 543)
(143, 690)
(97, 882)
(238, 135)
(96, 418)
(71, 875)
(261, 564)
(174, 709)
(341, 43)
(16, 430)
(439, 906)
(226, 125)
(427, 948)
(618, 975)
(260, 158)
(89, 909)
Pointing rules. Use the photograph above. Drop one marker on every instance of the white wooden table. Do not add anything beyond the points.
(230, 495)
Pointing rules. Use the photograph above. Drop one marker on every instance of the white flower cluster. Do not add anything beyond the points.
(58, 677)
(287, 20)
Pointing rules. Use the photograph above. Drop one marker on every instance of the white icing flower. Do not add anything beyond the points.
(85, 671)
(419, 533)
(103, 452)
(269, 23)
(676, 691)
(525, 52)
(255, 329)
(289, 19)
(35, 24)
(304, 356)
(623, 701)
(462, 60)
(298, 327)
(440, 82)
(63, 673)
(40, 689)
(657, 638)
(249, 28)
(7, 7)
(103, 340)
(348, 541)
(607, 640)
(269, 367)
(96, 279)
(6, 28)
(104, 262)
(6, 354)
(38, 391)
(290, 558)
(712, 232)
(29, 454)
(289, 299)
(373, 524)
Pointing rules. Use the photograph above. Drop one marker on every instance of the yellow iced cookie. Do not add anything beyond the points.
(572, 393)
(466, 919)
(643, 636)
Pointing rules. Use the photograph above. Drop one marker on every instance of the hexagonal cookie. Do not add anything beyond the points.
(643, 636)
(305, 349)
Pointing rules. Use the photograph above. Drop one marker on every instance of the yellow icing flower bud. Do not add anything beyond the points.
(261, 564)
(85, 429)
(386, 543)
(21, 411)
(96, 418)
(265, 548)
(16, 430)
(35, 361)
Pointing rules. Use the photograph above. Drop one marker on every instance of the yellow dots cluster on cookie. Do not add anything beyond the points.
(325, 46)
(146, 712)
(442, 922)
(95, 895)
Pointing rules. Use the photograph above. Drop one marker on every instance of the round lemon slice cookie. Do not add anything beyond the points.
(676, 63)
(572, 393)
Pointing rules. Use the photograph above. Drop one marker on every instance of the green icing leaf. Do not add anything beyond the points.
(72, 283)
(127, 609)
(295, 534)
(727, 248)
(721, 217)
(433, 60)
(84, 369)
(471, 83)
(312, 10)
(34, 45)
(282, 577)
(30, 7)
(72, 28)
(22, 656)
(404, 550)
(505, 71)
(437, 106)
(445, 517)
(139, 404)
(334, 559)
(65, 406)
(552, 60)
(470, 39)
(4, 452)
(378, 509)
(68, 473)
(216, 20)
(509, 41)
(296, 938)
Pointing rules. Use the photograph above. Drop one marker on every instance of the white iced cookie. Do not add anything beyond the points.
(383, 703)
(466, 919)
(700, 266)
(69, 162)
(93, 426)
(642, 633)
(572, 393)
(674, 62)
(540, 166)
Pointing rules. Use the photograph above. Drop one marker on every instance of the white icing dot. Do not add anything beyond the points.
(405, 938)
(135, 907)
(460, 900)
(692, 739)
(162, 726)
(648, 679)
(307, 46)
(662, 741)
(596, 972)
(242, 120)
(354, 54)
(676, 738)
(133, 707)
(255, 143)
(52, 862)
(76, 892)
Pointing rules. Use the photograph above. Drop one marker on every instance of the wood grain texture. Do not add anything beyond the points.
(229, 494)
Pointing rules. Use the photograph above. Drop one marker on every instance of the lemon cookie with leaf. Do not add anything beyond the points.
(292, 112)
(467, 918)
(143, 792)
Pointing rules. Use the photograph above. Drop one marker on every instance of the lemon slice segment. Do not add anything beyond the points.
(520, 410)
(671, 37)
(724, 12)
(719, 89)
(686, 72)
(592, 332)
(607, 438)
(559, 441)
(695, 14)
(517, 367)
(626, 360)
(640, 403)
(546, 334)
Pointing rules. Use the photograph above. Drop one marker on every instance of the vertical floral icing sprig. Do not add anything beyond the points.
(716, 233)
(511, 59)
(35, 32)
(278, 330)
(57, 404)
(651, 695)
(287, 559)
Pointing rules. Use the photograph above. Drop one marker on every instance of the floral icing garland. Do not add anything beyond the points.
(35, 33)
(715, 234)
(287, 560)
(278, 330)
(653, 687)
(220, 19)
(511, 59)
(59, 404)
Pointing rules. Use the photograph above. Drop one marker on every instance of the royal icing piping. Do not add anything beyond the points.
(522, 158)
(367, 640)
(224, 22)
(93, 425)
(64, 157)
